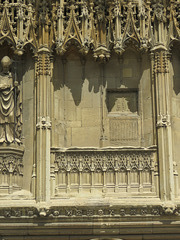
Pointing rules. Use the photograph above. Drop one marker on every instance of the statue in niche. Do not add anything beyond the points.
(10, 105)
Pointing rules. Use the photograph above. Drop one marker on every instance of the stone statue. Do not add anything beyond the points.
(9, 105)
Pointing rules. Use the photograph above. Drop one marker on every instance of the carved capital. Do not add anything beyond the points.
(159, 11)
(101, 54)
(43, 61)
(169, 208)
(161, 61)
(44, 123)
(163, 121)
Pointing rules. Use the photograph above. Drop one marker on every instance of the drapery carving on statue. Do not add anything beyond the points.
(10, 105)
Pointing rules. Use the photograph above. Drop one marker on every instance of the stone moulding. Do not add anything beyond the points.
(85, 212)
(104, 171)
(11, 169)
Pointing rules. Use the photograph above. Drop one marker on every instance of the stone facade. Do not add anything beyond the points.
(89, 119)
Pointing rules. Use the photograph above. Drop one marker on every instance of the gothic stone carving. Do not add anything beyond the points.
(65, 213)
(11, 170)
(10, 106)
(102, 26)
(113, 170)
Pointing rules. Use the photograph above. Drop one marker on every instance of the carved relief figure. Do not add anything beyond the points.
(9, 105)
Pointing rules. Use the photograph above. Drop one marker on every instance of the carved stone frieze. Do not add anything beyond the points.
(104, 170)
(11, 170)
(91, 212)
(101, 26)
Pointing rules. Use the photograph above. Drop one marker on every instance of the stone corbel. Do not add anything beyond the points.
(169, 208)
(44, 123)
(101, 54)
(163, 121)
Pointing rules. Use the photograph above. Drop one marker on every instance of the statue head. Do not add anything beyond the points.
(5, 62)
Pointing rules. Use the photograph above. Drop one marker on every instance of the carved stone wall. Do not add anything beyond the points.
(105, 172)
(89, 119)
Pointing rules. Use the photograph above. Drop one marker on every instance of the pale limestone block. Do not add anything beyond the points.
(70, 111)
(73, 124)
(90, 117)
(147, 108)
(68, 94)
(176, 107)
(176, 124)
(60, 128)
(148, 139)
(78, 114)
(85, 137)
(96, 100)
(26, 88)
(61, 94)
(68, 137)
(87, 98)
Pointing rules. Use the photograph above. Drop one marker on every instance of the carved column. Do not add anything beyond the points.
(43, 109)
(163, 124)
(162, 88)
(43, 125)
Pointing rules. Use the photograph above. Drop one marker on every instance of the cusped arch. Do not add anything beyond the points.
(132, 53)
(72, 43)
(8, 40)
(30, 46)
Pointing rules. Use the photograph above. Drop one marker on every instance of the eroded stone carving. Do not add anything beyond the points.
(97, 25)
(11, 172)
(10, 105)
(122, 102)
(124, 131)
(103, 170)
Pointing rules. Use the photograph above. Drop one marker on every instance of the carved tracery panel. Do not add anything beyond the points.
(106, 171)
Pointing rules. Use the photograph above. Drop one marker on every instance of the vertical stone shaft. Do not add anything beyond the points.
(43, 126)
(43, 109)
(163, 110)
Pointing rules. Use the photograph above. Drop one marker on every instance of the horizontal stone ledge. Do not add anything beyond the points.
(105, 149)
(87, 230)
(115, 213)
(17, 150)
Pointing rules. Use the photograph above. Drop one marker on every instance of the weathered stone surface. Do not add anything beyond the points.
(89, 119)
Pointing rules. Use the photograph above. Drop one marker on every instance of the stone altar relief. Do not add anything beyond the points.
(124, 121)
(10, 103)
(123, 102)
